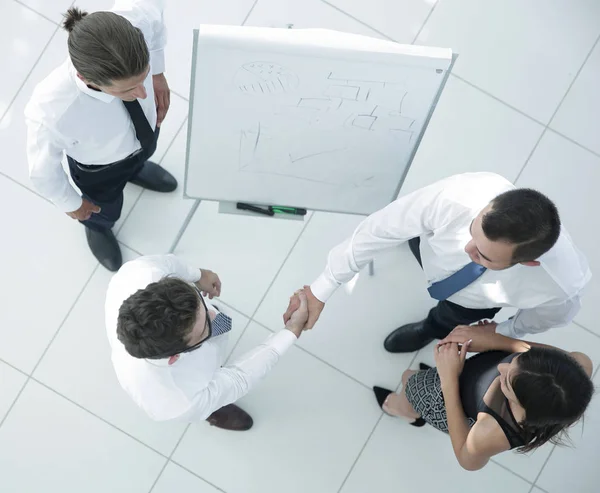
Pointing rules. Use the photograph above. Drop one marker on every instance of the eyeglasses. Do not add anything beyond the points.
(207, 322)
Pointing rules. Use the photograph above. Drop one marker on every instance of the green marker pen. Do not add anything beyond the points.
(279, 209)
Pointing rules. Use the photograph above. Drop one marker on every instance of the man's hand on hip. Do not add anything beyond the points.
(85, 211)
(162, 97)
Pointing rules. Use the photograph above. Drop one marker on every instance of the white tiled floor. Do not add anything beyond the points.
(523, 102)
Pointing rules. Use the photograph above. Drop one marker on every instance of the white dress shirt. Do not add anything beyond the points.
(441, 214)
(196, 385)
(94, 128)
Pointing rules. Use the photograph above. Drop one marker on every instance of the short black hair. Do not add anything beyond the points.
(527, 219)
(155, 322)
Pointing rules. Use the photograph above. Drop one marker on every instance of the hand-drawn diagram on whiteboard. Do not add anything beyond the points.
(265, 78)
(301, 136)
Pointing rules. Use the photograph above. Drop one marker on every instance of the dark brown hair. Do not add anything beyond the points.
(554, 390)
(105, 47)
(155, 322)
(525, 218)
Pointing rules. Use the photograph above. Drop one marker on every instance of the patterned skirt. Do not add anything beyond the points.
(424, 392)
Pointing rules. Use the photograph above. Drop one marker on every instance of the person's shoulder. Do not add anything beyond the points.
(566, 265)
(52, 96)
(472, 191)
(490, 184)
(488, 437)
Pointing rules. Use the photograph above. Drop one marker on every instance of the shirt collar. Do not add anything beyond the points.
(101, 96)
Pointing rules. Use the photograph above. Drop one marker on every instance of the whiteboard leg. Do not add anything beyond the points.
(371, 268)
(184, 226)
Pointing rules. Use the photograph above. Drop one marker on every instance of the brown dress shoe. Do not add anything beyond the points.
(232, 418)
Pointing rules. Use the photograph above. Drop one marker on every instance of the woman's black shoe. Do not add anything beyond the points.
(381, 395)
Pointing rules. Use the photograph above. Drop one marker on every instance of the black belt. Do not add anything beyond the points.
(99, 167)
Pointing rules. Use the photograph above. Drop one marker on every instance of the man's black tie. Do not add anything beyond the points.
(143, 130)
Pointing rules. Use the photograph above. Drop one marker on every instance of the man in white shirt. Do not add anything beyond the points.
(483, 244)
(102, 108)
(169, 345)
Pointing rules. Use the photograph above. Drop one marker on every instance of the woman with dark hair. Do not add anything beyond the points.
(512, 395)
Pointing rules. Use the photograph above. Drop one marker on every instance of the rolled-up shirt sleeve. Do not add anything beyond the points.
(413, 215)
(540, 319)
(233, 381)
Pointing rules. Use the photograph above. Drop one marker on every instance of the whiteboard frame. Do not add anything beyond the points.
(402, 178)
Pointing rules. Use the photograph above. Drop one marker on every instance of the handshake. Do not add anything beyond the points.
(303, 311)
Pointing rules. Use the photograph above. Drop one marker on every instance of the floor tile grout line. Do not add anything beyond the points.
(12, 101)
(497, 99)
(508, 469)
(14, 367)
(130, 248)
(573, 141)
(91, 413)
(560, 103)
(424, 23)
(197, 475)
(584, 328)
(14, 402)
(273, 281)
(359, 455)
(169, 458)
(143, 190)
(36, 12)
(535, 146)
(66, 317)
(318, 358)
(249, 13)
(543, 467)
(373, 431)
(180, 96)
(574, 80)
(17, 182)
(359, 21)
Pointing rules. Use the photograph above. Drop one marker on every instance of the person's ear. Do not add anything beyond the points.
(532, 263)
(173, 359)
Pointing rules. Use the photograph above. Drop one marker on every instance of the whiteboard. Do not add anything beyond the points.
(308, 118)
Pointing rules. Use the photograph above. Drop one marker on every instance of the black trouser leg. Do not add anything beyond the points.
(446, 315)
(109, 214)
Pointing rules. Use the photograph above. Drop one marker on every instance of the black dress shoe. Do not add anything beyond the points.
(154, 177)
(408, 338)
(423, 366)
(381, 395)
(105, 248)
(232, 418)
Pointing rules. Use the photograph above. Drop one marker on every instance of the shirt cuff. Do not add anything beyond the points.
(505, 328)
(281, 341)
(71, 202)
(324, 287)
(157, 61)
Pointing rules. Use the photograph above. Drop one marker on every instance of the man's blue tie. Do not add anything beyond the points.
(445, 288)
